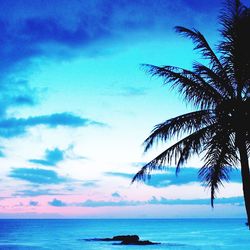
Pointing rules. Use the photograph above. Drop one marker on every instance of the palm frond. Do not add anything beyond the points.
(215, 80)
(192, 86)
(214, 175)
(219, 159)
(203, 46)
(175, 127)
(180, 152)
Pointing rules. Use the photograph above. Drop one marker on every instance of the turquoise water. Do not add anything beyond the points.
(188, 234)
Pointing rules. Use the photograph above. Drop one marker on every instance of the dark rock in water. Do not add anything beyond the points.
(126, 240)
(118, 238)
(138, 242)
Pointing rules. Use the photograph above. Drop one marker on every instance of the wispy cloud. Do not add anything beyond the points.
(57, 203)
(36, 175)
(2, 154)
(239, 201)
(116, 195)
(119, 174)
(15, 93)
(33, 203)
(132, 91)
(90, 183)
(13, 127)
(35, 192)
(167, 178)
(93, 203)
(51, 158)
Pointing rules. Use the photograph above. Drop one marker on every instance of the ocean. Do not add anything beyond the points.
(173, 234)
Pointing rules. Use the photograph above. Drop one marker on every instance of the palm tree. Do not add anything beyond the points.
(220, 93)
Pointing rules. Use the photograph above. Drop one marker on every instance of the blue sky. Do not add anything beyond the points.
(76, 106)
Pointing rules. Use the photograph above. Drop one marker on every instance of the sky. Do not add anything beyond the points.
(76, 105)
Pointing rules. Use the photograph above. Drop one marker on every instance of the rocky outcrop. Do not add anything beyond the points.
(138, 242)
(126, 240)
(118, 238)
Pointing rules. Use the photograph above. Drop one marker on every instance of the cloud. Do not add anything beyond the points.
(119, 174)
(12, 127)
(26, 215)
(167, 178)
(33, 203)
(23, 100)
(90, 183)
(186, 176)
(36, 175)
(238, 200)
(116, 195)
(15, 93)
(57, 203)
(51, 158)
(2, 154)
(132, 91)
(45, 35)
(57, 30)
(35, 192)
(92, 203)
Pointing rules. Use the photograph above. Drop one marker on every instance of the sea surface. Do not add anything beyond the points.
(183, 234)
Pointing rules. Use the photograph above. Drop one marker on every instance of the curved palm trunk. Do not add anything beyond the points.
(245, 173)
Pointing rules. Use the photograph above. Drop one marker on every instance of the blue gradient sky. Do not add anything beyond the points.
(76, 106)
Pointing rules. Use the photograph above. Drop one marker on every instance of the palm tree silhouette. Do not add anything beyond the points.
(220, 92)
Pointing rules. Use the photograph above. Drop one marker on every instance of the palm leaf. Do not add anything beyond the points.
(219, 159)
(192, 86)
(215, 80)
(207, 52)
(179, 125)
(180, 152)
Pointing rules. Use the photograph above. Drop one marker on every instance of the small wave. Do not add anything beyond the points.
(19, 247)
(174, 244)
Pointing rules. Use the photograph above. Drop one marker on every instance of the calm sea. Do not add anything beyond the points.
(188, 234)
